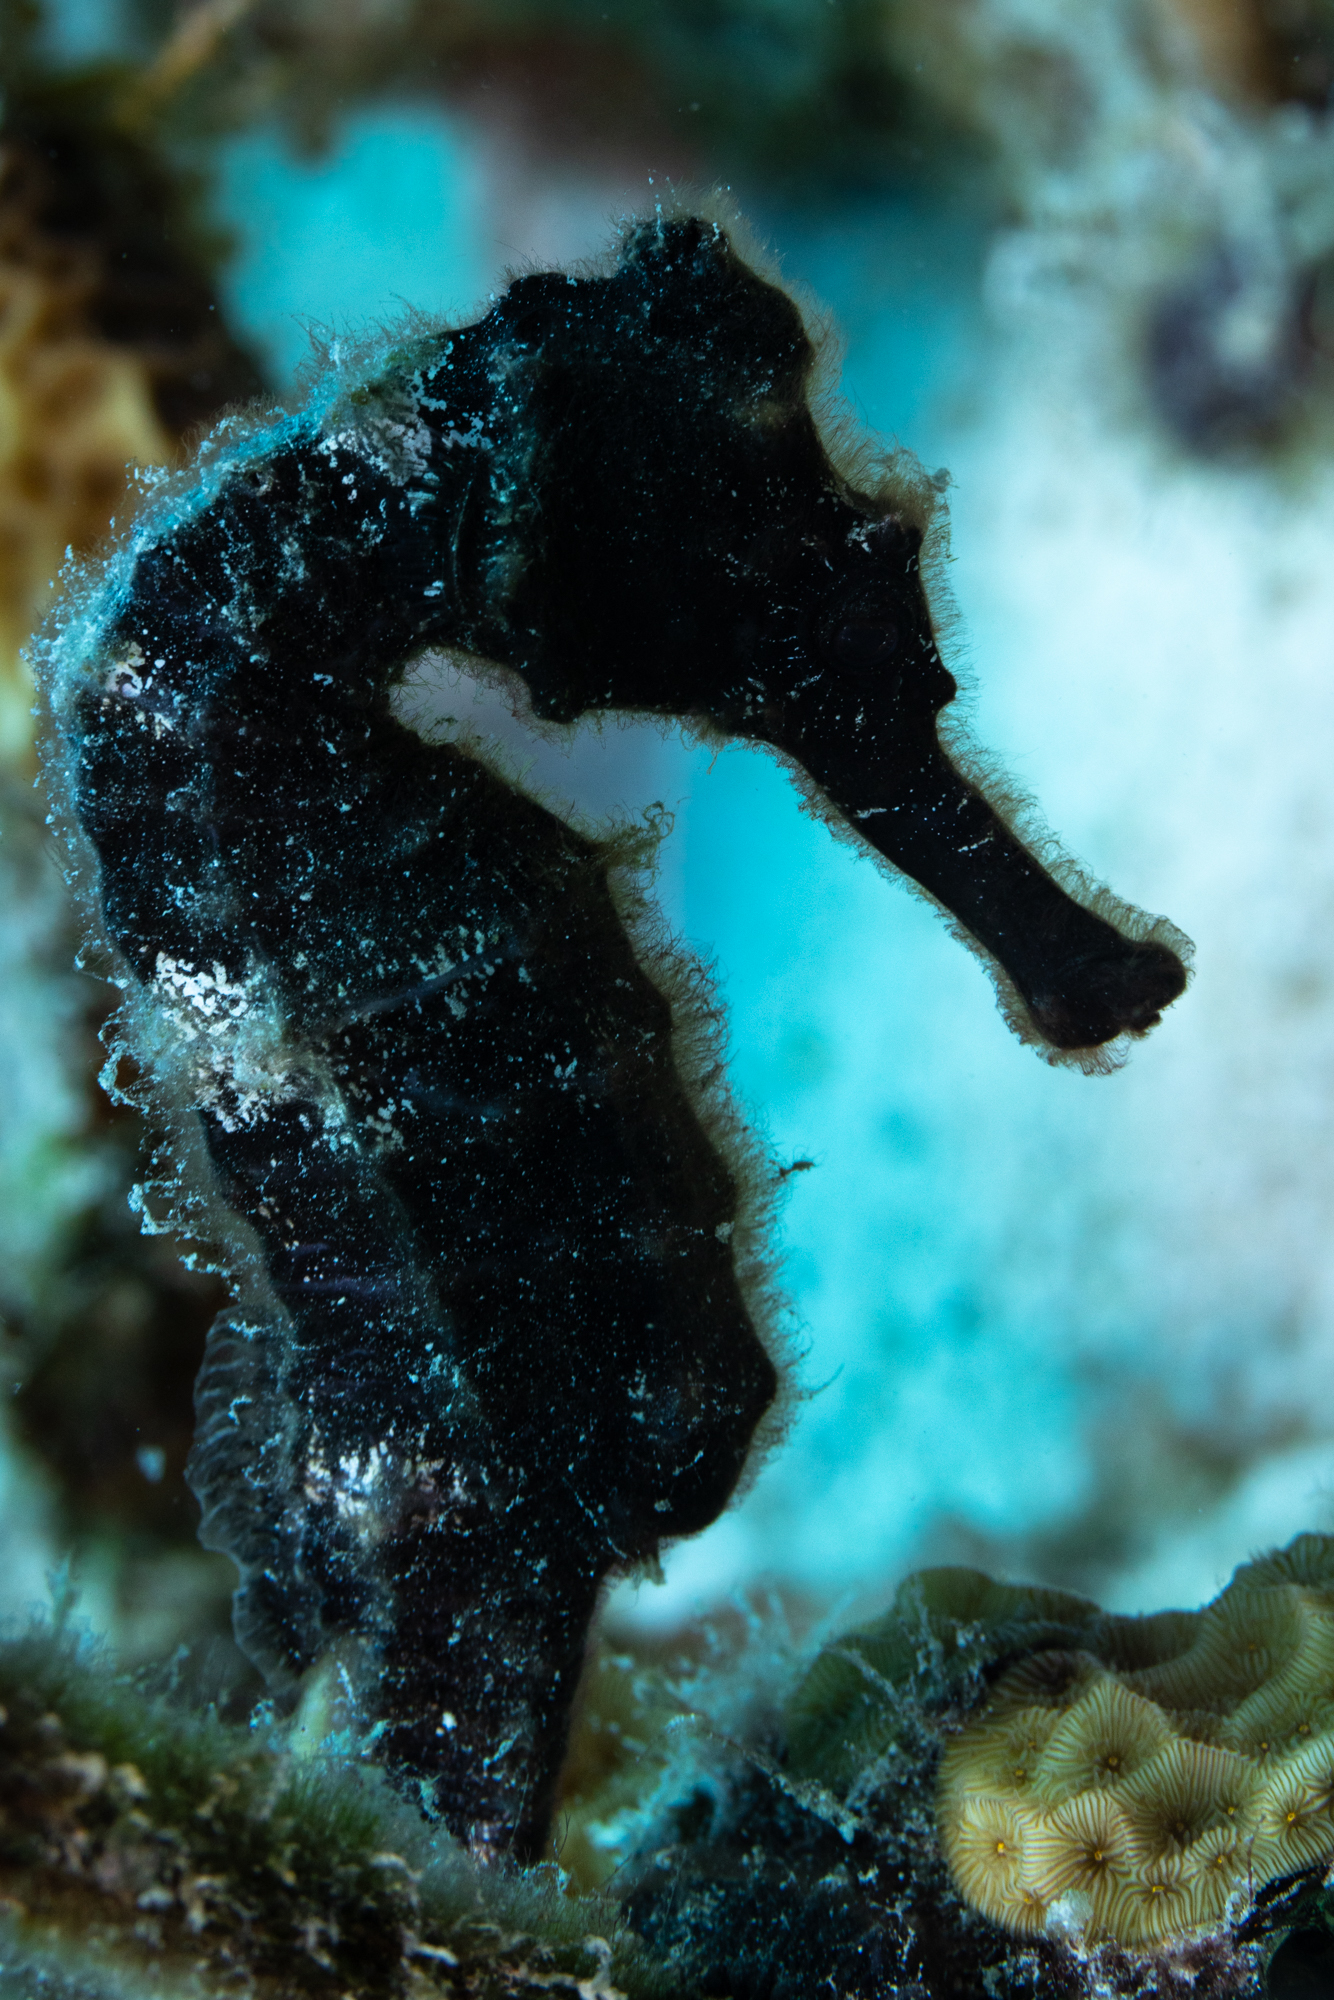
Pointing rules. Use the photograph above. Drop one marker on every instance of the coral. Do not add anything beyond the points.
(795, 1847)
(628, 1699)
(111, 347)
(808, 1857)
(1140, 1785)
(842, 1716)
(387, 992)
(805, 92)
(650, 1703)
(1214, 259)
(1297, 50)
(1266, 49)
(142, 1840)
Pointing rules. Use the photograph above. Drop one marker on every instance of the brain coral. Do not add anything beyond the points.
(1131, 1786)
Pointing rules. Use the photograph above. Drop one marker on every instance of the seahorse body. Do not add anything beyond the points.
(491, 1343)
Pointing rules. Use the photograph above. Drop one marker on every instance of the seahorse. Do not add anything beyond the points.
(498, 1332)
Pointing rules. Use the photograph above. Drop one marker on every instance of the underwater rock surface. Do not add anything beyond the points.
(492, 1239)
(144, 1844)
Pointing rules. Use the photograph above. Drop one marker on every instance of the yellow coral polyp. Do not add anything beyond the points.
(1011, 1753)
(1086, 1844)
(992, 1863)
(1138, 1786)
(1104, 1740)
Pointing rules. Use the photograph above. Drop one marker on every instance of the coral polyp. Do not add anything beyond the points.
(1137, 1799)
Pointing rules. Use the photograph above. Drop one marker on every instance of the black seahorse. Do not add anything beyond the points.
(492, 1339)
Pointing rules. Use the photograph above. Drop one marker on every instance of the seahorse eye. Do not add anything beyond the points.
(893, 540)
(530, 329)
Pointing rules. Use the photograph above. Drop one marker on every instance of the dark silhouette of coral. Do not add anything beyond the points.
(1227, 351)
(112, 345)
(92, 210)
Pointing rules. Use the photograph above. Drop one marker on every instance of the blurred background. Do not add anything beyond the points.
(1081, 254)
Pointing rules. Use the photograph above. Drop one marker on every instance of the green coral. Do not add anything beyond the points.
(867, 1690)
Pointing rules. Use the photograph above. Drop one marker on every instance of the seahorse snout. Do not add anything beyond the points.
(1100, 995)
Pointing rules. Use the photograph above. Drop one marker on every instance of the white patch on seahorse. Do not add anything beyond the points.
(125, 679)
(227, 1041)
(213, 995)
(365, 1488)
(123, 676)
